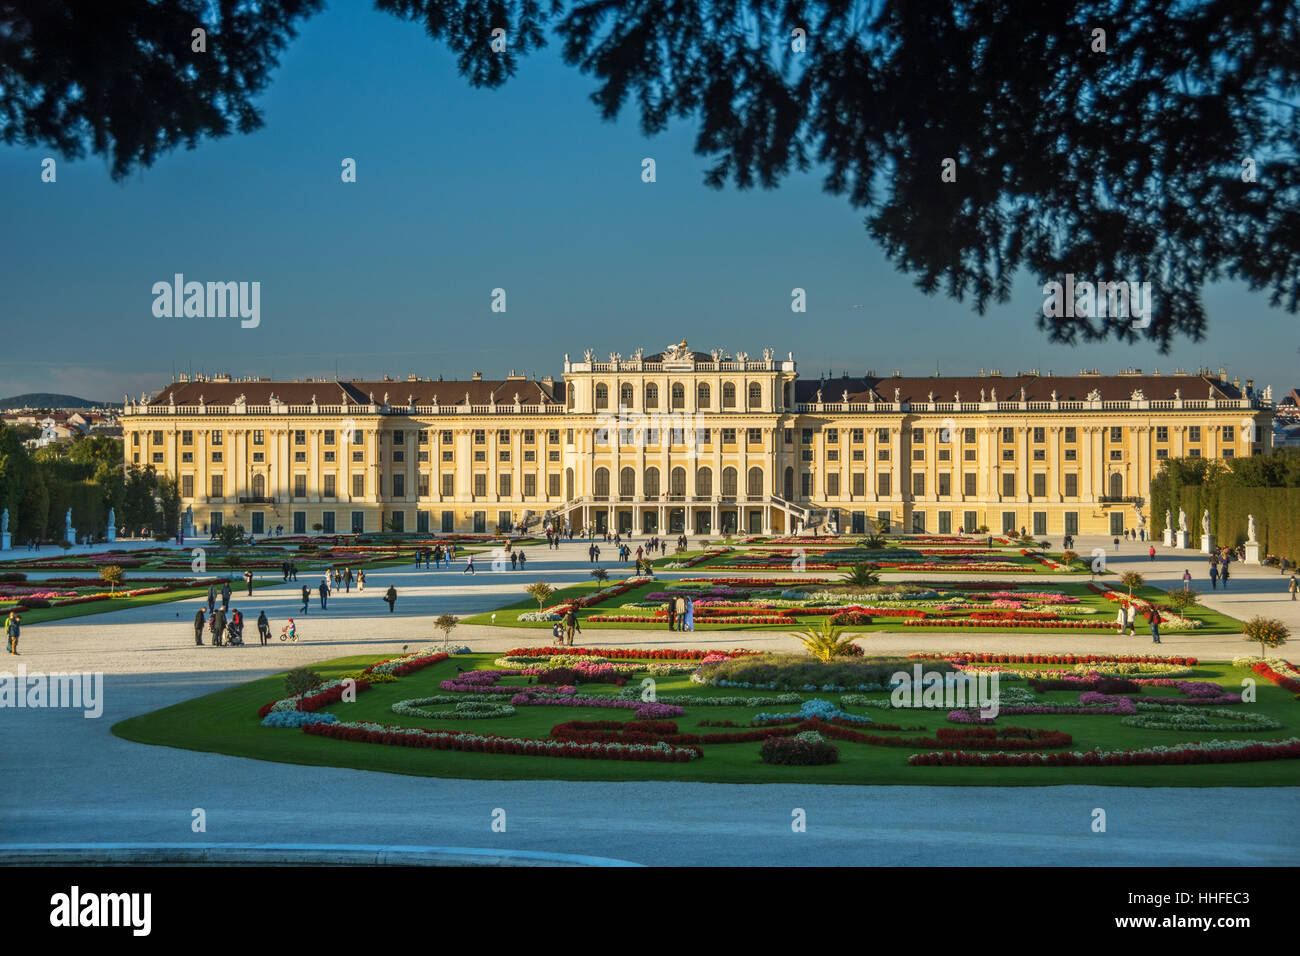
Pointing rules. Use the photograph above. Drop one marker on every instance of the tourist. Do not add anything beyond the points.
(1152, 551)
(1187, 579)
(571, 625)
(361, 580)
(1117, 543)
(1214, 575)
(1223, 574)
(306, 598)
(523, 561)
(514, 561)
(284, 570)
(1293, 586)
(225, 596)
(324, 590)
(248, 582)
(469, 566)
(391, 597)
(212, 597)
(690, 616)
(218, 626)
(672, 614)
(14, 622)
(1154, 617)
(347, 580)
(263, 628)
(200, 619)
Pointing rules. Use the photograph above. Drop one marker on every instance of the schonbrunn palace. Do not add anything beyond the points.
(684, 441)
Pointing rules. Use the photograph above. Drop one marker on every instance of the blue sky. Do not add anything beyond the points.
(461, 191)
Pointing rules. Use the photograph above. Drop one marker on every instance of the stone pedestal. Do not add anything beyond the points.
(111, 535)
(1169, 538)
(1252, 552)
(71, 535)
(1207, 544)
(5, 544)
(1181, 540)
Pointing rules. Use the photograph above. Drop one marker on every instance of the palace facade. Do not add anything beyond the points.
(688, 441)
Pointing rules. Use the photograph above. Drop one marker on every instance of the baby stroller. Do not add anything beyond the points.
(235, 633)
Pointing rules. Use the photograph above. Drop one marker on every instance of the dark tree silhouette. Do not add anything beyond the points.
(121, 77)
(1125, 164)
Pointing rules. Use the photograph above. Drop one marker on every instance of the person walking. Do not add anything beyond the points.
(1121, 619)
(13, 628)
(284, 570)
(571, 625)
(1223, 575)
(672, 614)
(218, 626)
(1293, 586)
(263, 628)
(306, 598)
(1214, 575)
(690, 616)
(225, 596)
(324, 590)
(1154, 617)
(514, 561)
(1187, 579)
(469, 566)
(212, 597)
(680, 608)
(361, 580)
(200, 619)
(1117, 543)
(391, 597)
(248, 582)
(523, 561)
(347, 580)
(1152, 551)
(1130, 615)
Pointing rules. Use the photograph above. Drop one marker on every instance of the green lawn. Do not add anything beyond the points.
(508, 616)
(226, 722)
(44, 615)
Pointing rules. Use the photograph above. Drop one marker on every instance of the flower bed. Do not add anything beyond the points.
(1273, 669)
(1181, 717)
(793, 752)
(1208, 752)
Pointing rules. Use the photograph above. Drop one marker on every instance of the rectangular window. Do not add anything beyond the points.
(553, 455)
(329, 456)
(446, 436)
(1072, 522)
(187, 437)
(882, 435)
(1040, 485)
(358, 455)
(918, 435)
(968, 435)
(859, 483)
(216, 437)
(1071, 434)
(856, 436)
(480, 456)
(1227, 453)
(399, 438)
(805, 485)
(832, 436)
(530, 486)
(448, 521)
(1040, 454)
(217, 486)
(448, 486)
(833, 485)
(1040, 522)
(1040, 435)
(329, 436)
(358, 486)
(422, 485)
(328, 490)
(882, 483)
(480, 436)
(259, 437)
(1071, 454)
(968, 484)
(832, 454)
(1193, 453)
(553, 486)
(1117, 454)
(503, 436)
(187, 486)
(945, 454)
(945, 522)
(728, 436)
(1194, 433)
(480, 485)
(945, 485)
(553, 436)
(968, 454)
(157, 437)
(1162, 433)
(358, 522)
(187, 457)
(969, 521)
(448, 456)
(530, 437)
(1008, 454)
(398, 520)
(755, 436)
(399, 486)
(530, 455)
(1162, 454)
(1008, 486)
(1116, 433)
(859, 454)
(300, 457)
(422, 436)
(503, 484)
(1008, 435)
(918, 484)
(503, 454)
(882, 454)
(807, 436)
(300, 486)
(299, 437)
(789, 436)
(327, 522)
(216, 457)
(918, 454)
(1072, 486)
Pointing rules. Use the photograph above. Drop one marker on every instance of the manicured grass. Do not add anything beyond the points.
(45, 615)
(508, 616)
(226, 722)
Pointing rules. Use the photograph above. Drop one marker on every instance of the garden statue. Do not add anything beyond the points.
(1182, 520)
(1169, 519)
(1250, 527)
(1205, 521)
(67, 520)
(4, 520)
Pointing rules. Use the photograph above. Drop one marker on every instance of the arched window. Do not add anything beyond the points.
(677, 482)
(754, 483)
(652, 482)
(702, 395)
(789, 484)
(679, 395)
(1117, 485)
(568, 484)
(728, 482)
(259, 486)
(704, 482)
(625, 395)
(652, 396)
(729, 395)
(602, 395)
(602, 483)
(755, 395)
(627, 482)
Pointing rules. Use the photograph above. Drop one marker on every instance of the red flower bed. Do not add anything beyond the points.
(492, 744)
(314, 702)
(410, 666)
(1265, 750)
(1281, 680)
(756, 582)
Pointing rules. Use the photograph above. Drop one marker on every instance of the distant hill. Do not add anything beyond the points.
(49, 400)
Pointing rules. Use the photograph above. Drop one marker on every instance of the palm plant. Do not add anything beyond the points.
(874, 542)
(863, 575)
(826, 641)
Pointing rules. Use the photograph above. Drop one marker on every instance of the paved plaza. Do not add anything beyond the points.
(72, 781)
